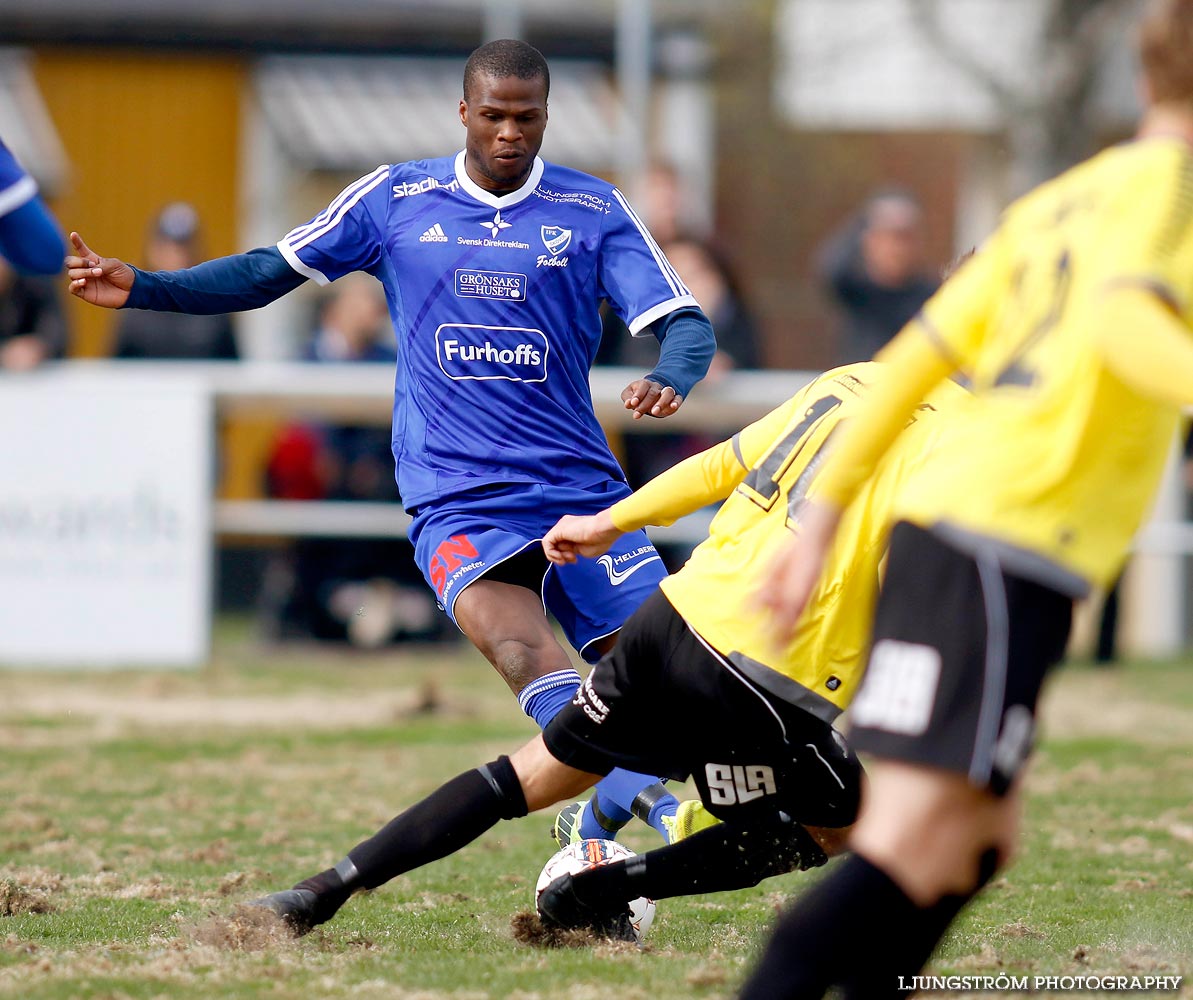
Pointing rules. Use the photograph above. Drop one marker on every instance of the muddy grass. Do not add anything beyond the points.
(220, 817)
(246, 928)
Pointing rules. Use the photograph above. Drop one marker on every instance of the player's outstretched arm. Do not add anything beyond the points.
(234, 283)
(102, 281)
(1145, 344)
(575, 536)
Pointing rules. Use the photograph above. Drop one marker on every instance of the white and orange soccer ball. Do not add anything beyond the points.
(586, 854)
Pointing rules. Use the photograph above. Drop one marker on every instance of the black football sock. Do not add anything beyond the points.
(725, 856)
(332, 888)
(817, 940)
(815, 944)
(939, 916)
(447, 819)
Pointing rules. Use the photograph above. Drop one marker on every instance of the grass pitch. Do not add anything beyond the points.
(139, 810)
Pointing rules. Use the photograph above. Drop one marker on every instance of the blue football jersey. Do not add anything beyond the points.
(494, 301)
(16, 186)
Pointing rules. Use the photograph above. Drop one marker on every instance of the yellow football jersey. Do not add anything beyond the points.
(766, 472)
(1057, 460)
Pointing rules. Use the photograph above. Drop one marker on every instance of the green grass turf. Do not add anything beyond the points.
(139, 809)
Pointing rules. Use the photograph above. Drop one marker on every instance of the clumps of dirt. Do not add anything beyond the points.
(236, 881)
(530, 930)
(217, 852)
(1148, 960)
(984, 959)
(28, 892)
(17, 899)
(246, 928)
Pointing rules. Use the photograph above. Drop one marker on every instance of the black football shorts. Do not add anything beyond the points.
(959, 655)
(664, 702)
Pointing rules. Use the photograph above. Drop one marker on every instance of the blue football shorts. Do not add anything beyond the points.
(461, 538)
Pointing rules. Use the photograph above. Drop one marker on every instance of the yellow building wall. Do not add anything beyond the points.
(141, 129)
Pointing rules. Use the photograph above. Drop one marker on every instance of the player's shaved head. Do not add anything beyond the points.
(503, 58)
(1166, 51)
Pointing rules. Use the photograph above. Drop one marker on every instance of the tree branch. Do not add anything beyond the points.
(1079, 29)
(925, 15)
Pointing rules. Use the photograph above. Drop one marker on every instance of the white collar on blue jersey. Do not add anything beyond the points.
(498, 200)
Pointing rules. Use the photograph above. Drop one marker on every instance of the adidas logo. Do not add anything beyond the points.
(434, 235)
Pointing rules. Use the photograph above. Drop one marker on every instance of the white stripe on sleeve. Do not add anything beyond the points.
(673, 279)
(640, 322)
(340, 213)
(292, 259)
(17, 194)
(298, 232)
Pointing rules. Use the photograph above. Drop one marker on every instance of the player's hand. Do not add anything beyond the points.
(793, 574)
(647, 398)
(102, 281)
(575, 536)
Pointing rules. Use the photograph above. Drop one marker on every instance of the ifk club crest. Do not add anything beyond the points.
(555, 239)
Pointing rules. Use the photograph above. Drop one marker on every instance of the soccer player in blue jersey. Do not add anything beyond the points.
(495, 264)
(30, 239)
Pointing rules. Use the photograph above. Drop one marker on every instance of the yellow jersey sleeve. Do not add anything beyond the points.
(1146, 345)
(1146, 239)
(687, 486)
(956, 319)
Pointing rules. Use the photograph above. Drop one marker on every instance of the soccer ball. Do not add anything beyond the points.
(586, 854)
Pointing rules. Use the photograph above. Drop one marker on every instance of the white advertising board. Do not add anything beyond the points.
(105, 535)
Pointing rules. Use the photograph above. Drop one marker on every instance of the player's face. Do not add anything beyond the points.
(505, 121)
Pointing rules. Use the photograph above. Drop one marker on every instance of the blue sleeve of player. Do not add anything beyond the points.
(639, 282)
(346, 236)
(16, 186)
(29, 237)
(226, 284)
(31, 241)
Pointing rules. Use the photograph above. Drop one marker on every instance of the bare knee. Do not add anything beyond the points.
(508, 625)
(932, 832)
(519, 661)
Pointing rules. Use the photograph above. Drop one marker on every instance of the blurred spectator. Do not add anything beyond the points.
(367, 591)
(708, 277)
(704, 270)
(173, 243)
(663, 202)
(32, 320)
(30, 239)
(875, 269)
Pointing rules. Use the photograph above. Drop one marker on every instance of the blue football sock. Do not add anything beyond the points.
(623, 794)
(542, 699)
(666, 805)
(544, 696)
(591, 827)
